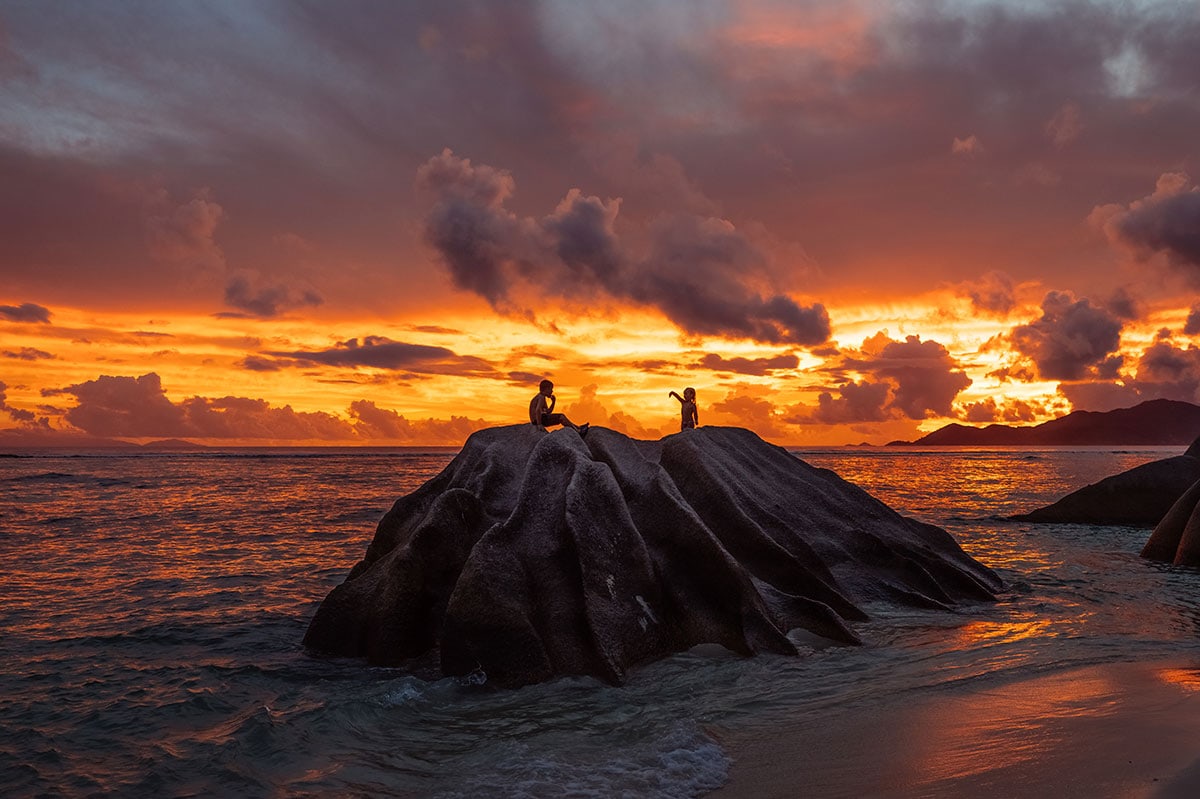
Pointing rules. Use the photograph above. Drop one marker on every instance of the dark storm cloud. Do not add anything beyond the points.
(1170, 372)
(697, 275)
(524, 378)
(581, 229)
(993, 293)
(701, 273)
(18, 414)
(748, 366)
(247, 290)
(1192, 326)
(380, 352)
(1164, 371)
(468, 225)
(1164, 363)
(911, 378)
(28, 354)
(1167, 221)
(1123, 305)
(25, 312)
(658, 365)
(1099, 396)
(254, 363)
(1072, 340)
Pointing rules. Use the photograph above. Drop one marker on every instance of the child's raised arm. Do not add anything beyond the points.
(676, 396)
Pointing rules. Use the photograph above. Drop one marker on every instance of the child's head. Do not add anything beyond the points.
(689, 393)
(546, 387)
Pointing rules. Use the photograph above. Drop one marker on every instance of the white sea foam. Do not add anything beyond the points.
(406, 690)
(646, 608)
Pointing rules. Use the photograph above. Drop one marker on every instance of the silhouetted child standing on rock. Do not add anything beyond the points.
(687, 405)
(542, 415)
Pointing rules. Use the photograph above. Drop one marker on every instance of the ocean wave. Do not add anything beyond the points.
(44, 477)
(66, 477)
(684, 762)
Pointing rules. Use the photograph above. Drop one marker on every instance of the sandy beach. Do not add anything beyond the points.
(1117, 730)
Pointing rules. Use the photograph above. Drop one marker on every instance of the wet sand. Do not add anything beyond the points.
(1118, 730)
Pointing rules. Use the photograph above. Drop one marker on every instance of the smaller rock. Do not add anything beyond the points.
(1176, 539)
(1139, 497)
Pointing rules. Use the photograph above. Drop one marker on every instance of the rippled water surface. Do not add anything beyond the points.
(154, 605)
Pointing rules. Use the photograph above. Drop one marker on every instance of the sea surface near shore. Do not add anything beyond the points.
(154, 605)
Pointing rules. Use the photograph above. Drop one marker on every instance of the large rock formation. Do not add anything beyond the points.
(1176, 539)
(1138, 497)
(533, 555)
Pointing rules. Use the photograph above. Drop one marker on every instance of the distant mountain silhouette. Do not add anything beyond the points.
(173, 444)
(1158, 422)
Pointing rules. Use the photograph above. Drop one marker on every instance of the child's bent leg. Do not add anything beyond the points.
(578, 428)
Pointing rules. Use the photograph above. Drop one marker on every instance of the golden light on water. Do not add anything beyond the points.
(1007, 726)
(1186, 679)
(982, 632)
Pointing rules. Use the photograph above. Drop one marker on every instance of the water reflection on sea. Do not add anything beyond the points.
(154, 604)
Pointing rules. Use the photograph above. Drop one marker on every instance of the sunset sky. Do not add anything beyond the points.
(382, 223)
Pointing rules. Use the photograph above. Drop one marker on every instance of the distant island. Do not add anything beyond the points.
(173, 444)
(1157, 422)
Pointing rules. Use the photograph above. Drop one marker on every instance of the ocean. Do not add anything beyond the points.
(154, 604)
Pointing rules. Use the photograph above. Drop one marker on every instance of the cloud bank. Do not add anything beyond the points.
(137, 407)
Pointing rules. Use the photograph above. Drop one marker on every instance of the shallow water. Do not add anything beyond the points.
(154, 606)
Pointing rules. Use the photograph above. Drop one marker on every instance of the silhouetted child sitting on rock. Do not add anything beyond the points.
(542, 415)
(687, 405)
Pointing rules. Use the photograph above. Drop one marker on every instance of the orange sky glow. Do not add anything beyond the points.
(268, 224)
